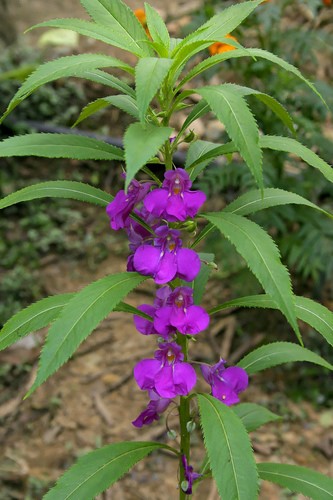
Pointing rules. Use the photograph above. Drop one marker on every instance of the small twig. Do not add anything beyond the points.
(228, 336)
(126, 378)
(92, 348)
(101, 408)
(242, 349)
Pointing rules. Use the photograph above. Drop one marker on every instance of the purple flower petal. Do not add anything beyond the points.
(155, 201)
(164, 384)
(190, 476)
(143, 325)
(162, 295)
(118, 211)
(147, 417)
(146, 260)
(206, 372)
(155, 407)
(162, 321)
(167, 268)
(236, 377)
(196, 320)
(145, 372)
(184, 377)
(225, 393)
(177, 178)
(175, 209)
(130, 264)
(193, 200)
(188, 264)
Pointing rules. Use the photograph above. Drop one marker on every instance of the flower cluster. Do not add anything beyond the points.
(146, 212)
(153, 217)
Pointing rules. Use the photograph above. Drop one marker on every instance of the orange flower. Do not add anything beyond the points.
(141, 16)
(328, 3)
(220, 47)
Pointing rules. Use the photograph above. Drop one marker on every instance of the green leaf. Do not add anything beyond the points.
(59, 146)
(181, 55)
(201, 153)
(99, 469)
(79, 318)
(202, 235)
(277, 109)
(103, 78)
(118, 17)
(278, 353)
(316, 315)
(124, 102)
(115, 35)
(64, 67)
(42, 313)
(252, 201)
(149, 75)
(229, 450)
(232, 110)
(269, 101)
(157, 28)
(262, 256)
(127, 308)
(196, 150)
(297, 479)
(58, 189)
(254, 416)
(142, 142)
(199, 110)
(32, 318)
(200, 282)
(264, 54)
(210, 62)
(221, 24)
(294, 147)
(254, 53)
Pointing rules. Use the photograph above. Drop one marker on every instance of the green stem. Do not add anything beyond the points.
(168, 155)
(184, 418)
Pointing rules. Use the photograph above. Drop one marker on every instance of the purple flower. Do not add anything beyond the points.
(174, 201)
(167, 374)
(120, 208)
(165, 259)
(145, 326)
(226, 383)
(181, 314)
(190, 476)
(137, 233)
(155, 407)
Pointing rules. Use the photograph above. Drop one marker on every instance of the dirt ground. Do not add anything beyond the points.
(92, 400)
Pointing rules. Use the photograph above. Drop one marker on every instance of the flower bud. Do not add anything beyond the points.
(184, 486)
(190, 426)
(190, 137)
(190, 226)
(172, 434)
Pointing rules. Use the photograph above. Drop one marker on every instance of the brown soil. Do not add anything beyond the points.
(92, 400)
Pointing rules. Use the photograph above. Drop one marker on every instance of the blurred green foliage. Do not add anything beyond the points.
(298, 31)
(36, 230)
(58, 103)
